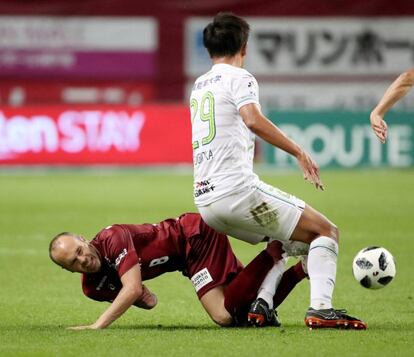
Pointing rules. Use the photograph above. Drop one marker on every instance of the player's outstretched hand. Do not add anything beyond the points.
(310, 170)
(379, 126)
(86, 327)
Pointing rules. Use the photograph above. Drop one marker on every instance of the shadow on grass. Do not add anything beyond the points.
(288, 329)
(380, 328)
(166, 327)
(157, 327)
(50, 327)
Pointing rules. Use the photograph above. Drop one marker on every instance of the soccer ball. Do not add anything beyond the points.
(374, 267)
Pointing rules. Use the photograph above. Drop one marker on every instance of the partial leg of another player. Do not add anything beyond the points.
(220, 300)
(229, 305)
(213, 303)
(290, 278)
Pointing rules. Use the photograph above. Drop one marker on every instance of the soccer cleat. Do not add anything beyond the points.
(332, 318)
(260, 315)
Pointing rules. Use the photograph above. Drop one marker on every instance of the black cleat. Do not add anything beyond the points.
(332, 318)
(260, 315)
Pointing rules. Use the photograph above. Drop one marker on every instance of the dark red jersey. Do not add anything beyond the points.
(184, 244)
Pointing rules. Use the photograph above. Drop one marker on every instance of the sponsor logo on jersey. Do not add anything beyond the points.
(120, 256)
(206, 82)
(158, 261)
(102, 282)
(203, 187)
(203, 156)
(201, 278)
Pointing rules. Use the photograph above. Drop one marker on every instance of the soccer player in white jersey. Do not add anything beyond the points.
(226, 116)
(397, 90)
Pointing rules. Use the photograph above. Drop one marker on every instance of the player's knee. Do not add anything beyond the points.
(330, 230)
(222, 319)
(335, 233)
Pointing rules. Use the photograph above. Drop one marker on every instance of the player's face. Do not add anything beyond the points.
(77, 255)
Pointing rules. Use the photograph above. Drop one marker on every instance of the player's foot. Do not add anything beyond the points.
(332, 318)
(261, 315)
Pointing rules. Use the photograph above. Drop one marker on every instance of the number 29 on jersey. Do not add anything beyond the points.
(204, 111)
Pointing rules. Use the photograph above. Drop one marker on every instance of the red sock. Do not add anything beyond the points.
(290, 278)
(241, 292)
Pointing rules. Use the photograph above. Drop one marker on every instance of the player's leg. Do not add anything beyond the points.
(313, 224)
(261, 313)
(251, 216)
(211, 264)
(302, 223)
(291, 277)
(242, 290)
(315, 229)
(262, 306)
(323, 236)
(213, 303)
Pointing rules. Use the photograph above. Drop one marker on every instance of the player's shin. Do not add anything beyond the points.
(268, 287)
(322, 258)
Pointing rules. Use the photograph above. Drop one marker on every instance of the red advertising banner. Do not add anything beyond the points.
(84, 135)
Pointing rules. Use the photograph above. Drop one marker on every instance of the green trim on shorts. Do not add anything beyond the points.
(279, 198)
(323, 246)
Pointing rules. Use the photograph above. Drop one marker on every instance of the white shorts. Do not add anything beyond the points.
(255, 213)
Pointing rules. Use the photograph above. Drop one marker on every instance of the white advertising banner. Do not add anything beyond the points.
(317, 46)
(52, 46)
(91, 33)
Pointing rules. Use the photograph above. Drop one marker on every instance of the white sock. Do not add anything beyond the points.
(322, 257)
(268, 288)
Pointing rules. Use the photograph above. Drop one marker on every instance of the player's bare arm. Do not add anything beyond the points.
(131, 292)
(265, 129)
(397, 90)
(148, 300)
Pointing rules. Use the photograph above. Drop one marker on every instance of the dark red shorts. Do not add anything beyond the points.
(210, 261)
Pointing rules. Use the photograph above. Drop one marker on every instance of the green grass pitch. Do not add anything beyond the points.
(39, 300)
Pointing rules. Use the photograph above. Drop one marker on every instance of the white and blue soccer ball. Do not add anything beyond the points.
(374, 267)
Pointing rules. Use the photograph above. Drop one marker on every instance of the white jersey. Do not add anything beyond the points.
(223, 146)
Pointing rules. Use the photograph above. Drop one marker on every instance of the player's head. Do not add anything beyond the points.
(74, 253)
(226, 36)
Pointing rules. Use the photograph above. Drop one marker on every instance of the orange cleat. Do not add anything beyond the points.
(260, 315)
(331, 318)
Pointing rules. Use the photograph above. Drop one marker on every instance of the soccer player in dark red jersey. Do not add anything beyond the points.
(121, 256)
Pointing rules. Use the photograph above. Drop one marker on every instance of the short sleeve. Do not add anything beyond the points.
(121, 250)
(245, 90)
(98, 289)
